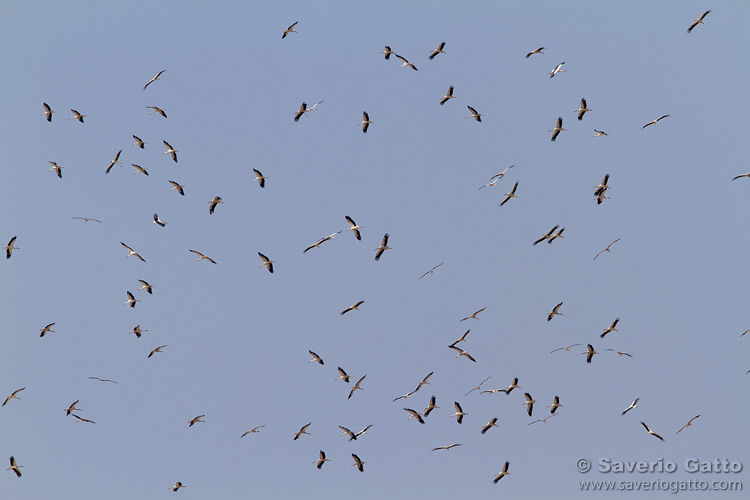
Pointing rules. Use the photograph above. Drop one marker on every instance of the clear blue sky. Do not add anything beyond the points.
(238, 337)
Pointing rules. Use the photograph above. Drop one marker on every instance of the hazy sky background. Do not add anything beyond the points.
(238, 337)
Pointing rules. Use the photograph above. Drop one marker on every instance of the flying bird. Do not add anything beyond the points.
(555, 236)
(177, 486)
(290, 29)
(146, 286)
(315, 358)
(358, 463)
(504, 472)
(742, 175)
(202, 257)
(621, 353)
(489, 425)
(180, 188)
(383, 247)
(446, 447)
(77, 116)
(47, 112)
(555, 405)
(474, 114)
(502, 174)
(611, 328)
(582, 110)
(698, 21)
(304, 109)
(535, 51)
(347, 432)
(448, 96)
(356, 386)
(405, 62)
(72, 408)
(599, 133)
(510, 194)
(320, 241)
(688, 424)
(86, 219)
(132, 252)
(430, 406)
(139, 169)
(365, 122)
(492, 183)
(430, 271)
(302, 430)
(479, 387)
(154, 79)
(363, 431)
(81, 419)
(652, 432)
(546, 236)
(473, 316)
(602, 187)
(158, 349)
(213, 204)
(654, 122)
(138, 142)
(113, 162)
(15, 467)
(14, 395)
(260, 178)
(555, 312)
(102, 380)
(138, 331)
(414, 414)
(558, 69)
(195, 420)
(565, 348)
(254, 429)
(607, 249)
(437, 51)
(321, 459)
(9, 248)
(342, 376)
(354, 307)
(47, 329)
(266, 262)
(57, 168)
(387, 52)
(131, 300)
(461, 352)
(158, 221)
(589, 352)
(529, 403)
(558, 128)
(459, 413)
(632, 406)
(171, 151)
(354, 227)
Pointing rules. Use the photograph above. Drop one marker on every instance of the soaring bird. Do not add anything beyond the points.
(86, 219)
(556, 235)
(489, 425)
(504, 472)
(113, 162)
(461, 352)
(132, 252)
(611, 328)
(474, 114)
(353, 227)
(589, 352)
(405, 62)
(266, 262)
(632, 406)
(565, 348)
(57, 168)
(363, 431)
(387, 52)
(81, 419)
(652, 432)
(158, 349)
(599, 133)
(154, 79)
(77, 116)
(621, 353)
(582, 110)
(741, 175)
(47, 112)
(437, 51)
(177, 186)
(607, 249)
(259, 177)
(555, 405)
(356, 386)
(47, 329)
(555, 312)
(558, 69)
(195, 420)
(146, 286)
(139, 142)
(320, 241)
(414, 414)
(654, 122)
(321, 459)
(490, 184)
(446, 447)
(510, 194)
(430, 271)
(546, 236)
(342, 375)
(302, 110)
(15, 467)
(430, 406)
(213, 204)
(138, 331)
(513, 385)
(358, 463)
(156, 109)
(448, 96)
(131, 300)
(139, 169)
(158, 221)
(354, 307)
(290, 29)
(383, 247)
(479, 387)
(473, 316)
(688, 424)
(9, 248)
(347, 432)
(459, 413)
(698, 21)
(14, 395)
(602, 187)
(177, 486)
(102, 380)
(171, 151)
(315, 358)
(202, 257)
(543, 420)
(529, 403)
(253, 430)
(535, 51)
(558, 128)
(303, 430)
(365, 122)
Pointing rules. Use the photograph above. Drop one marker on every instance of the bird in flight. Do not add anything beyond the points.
(502, 174)
(354, 307)
(356, 386)
(365, 122)
(113, 162)
(81, 419)
(358, 463)
(158, 349)
(260, 178)
(507, 390)
(202, 257)
(353, 227)
(652, 432)
(610, 328)
(543, 420)
(9, 248)
(77, 116)
(607, 249)
(479, 387)
(146, 286)
(214, 203)
(459, 413)
(492, 183)
(555, 312)
(302, 430)
(47, 329)
(405, 62)
(387, 52)
(347, 432)
(57, 168)
(154, 79)
(474, 114)
(632, 406)
(139, 169)
(383, 247)
(446, 447)
(621, 353)
(504, 472)
(103, 380)
(138, 142)
(414, 414)
(290, 29)
(178, 187)
(419, 386)
(342, 375)
(555, 405)
(437, 51)
(583, 109)
(132, 252)
(430, 271)
(589, 352)
(315, 358)
(654, 122)
(558, 128)
(86, 219)
(510, 194)
(688, 424)
(177, 486)
(15, 467)
(529, 403)
(321, 459)
(546, 236)
(565, 348)
(489, 425)
(430, 406)
(599, 133)
(266, 262)
(138, 331)
(448, 96)
(14, 395)
(47, 112)
(131, 300)
(254, 429)
(555, 236)
(742, 175)
(321, 240)
(558, 69)
(171, 151)
(158, 221)
(196, 420)
(698, 21)
(461, 352)
(473, 316)
(535, 51)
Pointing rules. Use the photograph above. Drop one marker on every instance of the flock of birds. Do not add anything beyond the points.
(420, 416)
